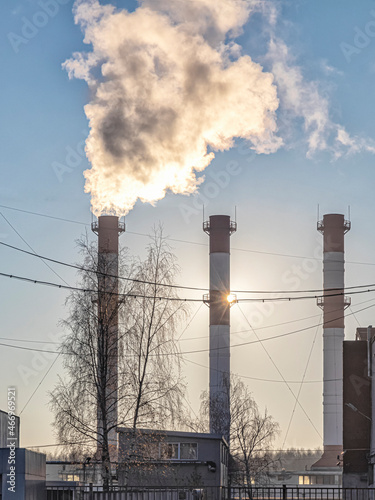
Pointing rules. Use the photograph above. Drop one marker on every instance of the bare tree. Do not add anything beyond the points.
(252, 434)
(149, 388)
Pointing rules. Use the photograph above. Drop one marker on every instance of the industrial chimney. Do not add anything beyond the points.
(333, 227)
(108, 228)
(219, 228)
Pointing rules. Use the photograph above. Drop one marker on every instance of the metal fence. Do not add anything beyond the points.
(209, 493)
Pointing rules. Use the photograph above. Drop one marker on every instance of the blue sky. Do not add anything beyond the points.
(276, 195)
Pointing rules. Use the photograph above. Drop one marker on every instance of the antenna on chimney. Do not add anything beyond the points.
(349, 213)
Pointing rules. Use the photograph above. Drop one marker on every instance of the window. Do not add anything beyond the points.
(304, 480)
(323, 479)
(72, 477)
(188, 451)
(179, 451)
(169, 451)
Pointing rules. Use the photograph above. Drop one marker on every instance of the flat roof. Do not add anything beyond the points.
(196, 435)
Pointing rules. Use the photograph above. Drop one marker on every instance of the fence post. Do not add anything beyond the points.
(284, 492)
(91, 494)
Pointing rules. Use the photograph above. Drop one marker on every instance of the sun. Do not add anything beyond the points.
(231, 298)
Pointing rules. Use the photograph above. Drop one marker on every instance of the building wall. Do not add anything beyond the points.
(4, 432)
(356, 417)
(209, 468)
(30, 475)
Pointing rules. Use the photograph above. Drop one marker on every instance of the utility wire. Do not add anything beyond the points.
(44, 215)
(27, 341)
(135, 280)
(40, 383)
(257, 379)
(33, 251)
(212, 349)
(89, 290)
(183, 241)
(190, 322)
(281, 375)
(275, 336)
(276, 299)
(97, 272)
(300, 388)
(275, 325)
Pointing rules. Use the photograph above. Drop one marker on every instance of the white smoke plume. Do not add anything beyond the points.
(169, 87)
(304, 100)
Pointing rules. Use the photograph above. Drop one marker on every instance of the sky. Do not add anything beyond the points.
(316, 63)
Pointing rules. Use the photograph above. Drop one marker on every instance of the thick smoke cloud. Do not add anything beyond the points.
(169, 87)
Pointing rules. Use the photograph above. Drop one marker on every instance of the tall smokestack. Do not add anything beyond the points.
(219, 228)
(108, 229)
(333, 227)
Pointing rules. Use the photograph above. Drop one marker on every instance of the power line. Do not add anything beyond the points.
(257, 379)
(81, 268)
(44, 215)
(180, 339)
(300, 388)
(277, 336)
(207, 350)
(281, 375)
(40, 383)
(262, 252)
(190, 322)
(89, 290)
(30, 341)
(167, 285)
(277, 324)
(135, 280)
(31, 248)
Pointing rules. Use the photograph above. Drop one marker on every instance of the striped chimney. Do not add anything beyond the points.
(108, 229)
(333, 227)
(219, 228)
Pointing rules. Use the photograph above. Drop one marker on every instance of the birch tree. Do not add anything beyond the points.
(150, 387)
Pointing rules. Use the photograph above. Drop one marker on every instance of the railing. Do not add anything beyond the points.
(210, 493)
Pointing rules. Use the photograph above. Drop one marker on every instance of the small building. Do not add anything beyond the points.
(297, 470)
(155, 458)
(22, 472)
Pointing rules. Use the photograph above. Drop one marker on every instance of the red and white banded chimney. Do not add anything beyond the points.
(108, 228)
(219, 228)
(333, 227)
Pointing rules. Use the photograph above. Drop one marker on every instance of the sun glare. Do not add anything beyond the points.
(231, 298)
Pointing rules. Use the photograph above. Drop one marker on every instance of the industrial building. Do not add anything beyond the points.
(167, 458)
(358, 410)
(22, 471)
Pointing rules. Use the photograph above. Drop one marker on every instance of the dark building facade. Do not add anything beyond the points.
(172, 458)
(22, 472)
(356, 414)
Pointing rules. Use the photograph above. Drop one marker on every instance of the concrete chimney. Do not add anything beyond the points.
(333, 227)
(219, 228)
(108, 228)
